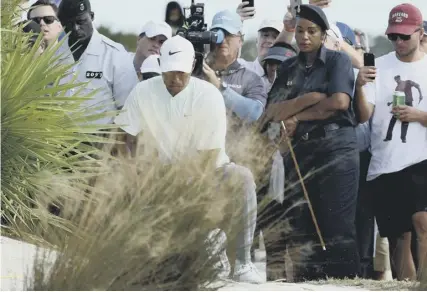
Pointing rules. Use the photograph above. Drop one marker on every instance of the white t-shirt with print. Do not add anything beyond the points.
(394, 155)
(176, 126)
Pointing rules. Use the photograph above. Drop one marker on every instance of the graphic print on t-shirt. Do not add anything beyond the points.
(404, 86)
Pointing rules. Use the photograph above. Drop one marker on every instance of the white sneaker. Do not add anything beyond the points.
(217, 241)
(247, 273)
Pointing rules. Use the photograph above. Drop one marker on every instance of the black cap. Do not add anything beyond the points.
(279, 54)
(314, 14)
(72, 8)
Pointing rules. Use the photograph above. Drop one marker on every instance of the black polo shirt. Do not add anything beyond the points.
(331, 72)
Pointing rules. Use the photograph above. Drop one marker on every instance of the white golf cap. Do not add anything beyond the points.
(152, 29)
(177, 54)
(151, 65)
(274, 24)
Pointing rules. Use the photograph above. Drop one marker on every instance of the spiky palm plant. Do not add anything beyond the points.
(42, 129)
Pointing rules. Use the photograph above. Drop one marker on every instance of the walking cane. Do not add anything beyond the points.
(291, 149)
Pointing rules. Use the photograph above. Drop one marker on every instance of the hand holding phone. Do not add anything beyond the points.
(369, 61)
(246, 9)
(368, 72)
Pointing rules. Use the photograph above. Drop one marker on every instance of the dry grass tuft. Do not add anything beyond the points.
(143, 226)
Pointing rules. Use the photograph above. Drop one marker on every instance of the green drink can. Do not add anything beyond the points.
(398, 98)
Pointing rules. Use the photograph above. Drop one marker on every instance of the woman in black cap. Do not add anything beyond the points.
(312, 96)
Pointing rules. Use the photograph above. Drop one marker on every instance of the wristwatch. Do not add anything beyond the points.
(223, 86)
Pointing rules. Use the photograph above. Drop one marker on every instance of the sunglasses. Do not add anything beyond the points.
(46, 19)
(404, 37)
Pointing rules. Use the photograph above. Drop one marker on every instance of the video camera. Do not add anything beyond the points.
(195, 31)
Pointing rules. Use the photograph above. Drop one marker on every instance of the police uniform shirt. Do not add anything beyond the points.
(106, 67)
(332, 72)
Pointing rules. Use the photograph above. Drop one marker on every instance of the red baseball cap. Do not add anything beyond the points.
(404, 19)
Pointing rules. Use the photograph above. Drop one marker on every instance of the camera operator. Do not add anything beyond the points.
(242, 89)
(98, 60)
(312, 95)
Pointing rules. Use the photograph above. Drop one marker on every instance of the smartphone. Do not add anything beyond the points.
(369, 60)
(251, 3)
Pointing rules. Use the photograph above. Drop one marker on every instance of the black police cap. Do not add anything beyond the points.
(314, 14)
(69, 9)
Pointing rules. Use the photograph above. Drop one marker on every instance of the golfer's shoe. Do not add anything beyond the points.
(216, 242)
(247, 273)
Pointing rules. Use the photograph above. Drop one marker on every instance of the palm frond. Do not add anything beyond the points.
(45, 132)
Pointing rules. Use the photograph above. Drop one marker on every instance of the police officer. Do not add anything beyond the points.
(98, 60)
(312, 95)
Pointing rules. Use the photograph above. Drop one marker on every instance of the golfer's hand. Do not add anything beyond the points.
(245, 12)
(211, 76)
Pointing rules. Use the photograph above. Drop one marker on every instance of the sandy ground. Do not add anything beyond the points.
(17, 260)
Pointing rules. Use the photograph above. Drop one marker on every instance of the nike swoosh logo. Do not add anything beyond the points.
(170, 53)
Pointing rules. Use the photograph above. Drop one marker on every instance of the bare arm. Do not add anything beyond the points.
(288, 32)
(363, 108)
(283, 110)
(285, 36)
(356, 58)
(325, 108)
(423, 118)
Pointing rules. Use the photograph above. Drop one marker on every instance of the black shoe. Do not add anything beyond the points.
(403, 140)
(387, 139)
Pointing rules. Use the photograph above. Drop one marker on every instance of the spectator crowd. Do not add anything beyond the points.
(350, 129)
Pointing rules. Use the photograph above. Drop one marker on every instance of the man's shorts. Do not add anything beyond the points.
(397, 196)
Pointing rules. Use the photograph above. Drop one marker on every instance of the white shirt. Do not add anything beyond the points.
(176, 126)
(106, 66)
(393, 156)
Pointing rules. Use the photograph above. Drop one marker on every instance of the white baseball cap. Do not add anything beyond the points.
(177, 54)
(151, 65)
(152, 29)
(274, 24)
